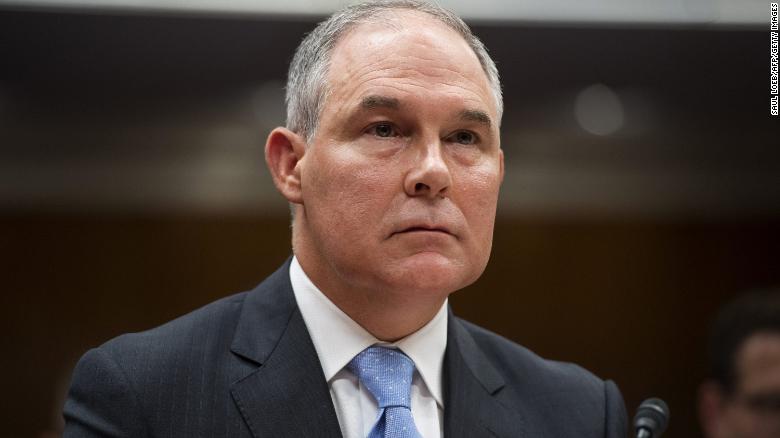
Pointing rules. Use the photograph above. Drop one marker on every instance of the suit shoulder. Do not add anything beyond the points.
(205, 328)
(544, 391)
(517, 363)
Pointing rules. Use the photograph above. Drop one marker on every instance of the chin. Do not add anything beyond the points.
(431, 273)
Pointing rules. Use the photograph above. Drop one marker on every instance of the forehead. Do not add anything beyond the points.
(407, 52)
(759, 362)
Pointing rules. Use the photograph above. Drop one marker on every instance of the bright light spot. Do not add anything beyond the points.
(598, 110)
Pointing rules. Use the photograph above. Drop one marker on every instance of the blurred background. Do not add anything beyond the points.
(642, 187)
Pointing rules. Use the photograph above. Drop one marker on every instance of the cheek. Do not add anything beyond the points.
(347, 192)
(479, 203)
(742, 423)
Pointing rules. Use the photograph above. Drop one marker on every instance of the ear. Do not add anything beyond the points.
(501, 165)
(284, 150)
(711, 409)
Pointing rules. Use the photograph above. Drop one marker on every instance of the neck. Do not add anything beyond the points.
(387, 314)
(387, 320)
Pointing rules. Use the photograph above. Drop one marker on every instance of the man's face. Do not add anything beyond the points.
(753, 411)
(400, 183)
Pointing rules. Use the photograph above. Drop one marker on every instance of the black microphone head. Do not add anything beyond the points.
(653, 416)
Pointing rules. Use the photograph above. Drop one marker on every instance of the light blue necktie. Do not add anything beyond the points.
(387, 374)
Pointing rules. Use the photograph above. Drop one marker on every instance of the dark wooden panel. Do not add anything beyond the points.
(628, 300)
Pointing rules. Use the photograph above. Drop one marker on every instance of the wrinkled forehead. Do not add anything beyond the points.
(408, 44)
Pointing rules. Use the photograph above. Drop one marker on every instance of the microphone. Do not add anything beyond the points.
(651, 418)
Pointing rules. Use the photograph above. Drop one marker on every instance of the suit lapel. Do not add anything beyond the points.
(285, 394)
(472, 391)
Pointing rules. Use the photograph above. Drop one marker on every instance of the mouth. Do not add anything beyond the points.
(425, 229)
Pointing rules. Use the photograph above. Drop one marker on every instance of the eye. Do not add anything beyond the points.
(383, 130)
(464, 137)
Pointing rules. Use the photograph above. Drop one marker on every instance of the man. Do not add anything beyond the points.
(742, 397)
(391, 160)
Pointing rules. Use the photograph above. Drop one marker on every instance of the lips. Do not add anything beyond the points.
(416, 229)
(423, 228)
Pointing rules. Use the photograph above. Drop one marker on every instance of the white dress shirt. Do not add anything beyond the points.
(337, 339)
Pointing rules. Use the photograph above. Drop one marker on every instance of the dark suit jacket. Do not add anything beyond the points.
(245, 366)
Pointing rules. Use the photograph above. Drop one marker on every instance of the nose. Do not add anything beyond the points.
(430, 175)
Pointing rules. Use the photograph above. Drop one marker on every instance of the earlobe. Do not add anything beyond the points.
(284, 150)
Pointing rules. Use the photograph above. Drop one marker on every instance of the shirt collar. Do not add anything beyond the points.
(337, 338)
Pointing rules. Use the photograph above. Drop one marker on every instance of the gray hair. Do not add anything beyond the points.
(306, 80)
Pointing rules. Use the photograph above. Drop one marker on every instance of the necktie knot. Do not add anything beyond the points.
(386, 373)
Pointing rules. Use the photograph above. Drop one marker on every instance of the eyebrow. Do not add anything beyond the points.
(371, 102)
(472, 115)
(377, 101)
